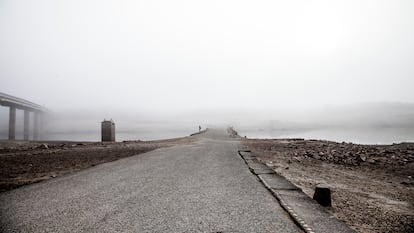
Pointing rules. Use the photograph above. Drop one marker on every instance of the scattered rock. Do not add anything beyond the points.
(406, 183)
(43, 146)
(297, 159)
(382, 169)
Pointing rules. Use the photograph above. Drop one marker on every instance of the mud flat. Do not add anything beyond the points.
(23, 163)
(373, 186)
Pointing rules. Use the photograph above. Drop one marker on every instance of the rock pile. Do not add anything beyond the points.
(343, 153)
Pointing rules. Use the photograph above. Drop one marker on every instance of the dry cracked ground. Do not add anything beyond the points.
(372, 185)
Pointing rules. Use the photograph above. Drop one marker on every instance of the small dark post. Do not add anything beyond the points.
(322, 195)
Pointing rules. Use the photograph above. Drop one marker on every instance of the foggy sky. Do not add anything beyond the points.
(188, 55)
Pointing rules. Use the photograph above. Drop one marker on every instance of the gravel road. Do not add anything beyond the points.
(201, 187)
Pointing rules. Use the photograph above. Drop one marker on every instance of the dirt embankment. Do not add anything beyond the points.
(24, 163)
(373, 186)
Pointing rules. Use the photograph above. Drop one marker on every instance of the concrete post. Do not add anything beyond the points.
(36, 126)
(323, 195)
(12, 123)
(26, 125)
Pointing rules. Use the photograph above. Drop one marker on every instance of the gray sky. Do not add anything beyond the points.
(189, 55)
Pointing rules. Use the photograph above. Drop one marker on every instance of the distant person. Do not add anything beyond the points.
(199, 128)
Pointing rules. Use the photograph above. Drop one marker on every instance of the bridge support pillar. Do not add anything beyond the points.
(26, 125)
(36, 126)
(12, 123)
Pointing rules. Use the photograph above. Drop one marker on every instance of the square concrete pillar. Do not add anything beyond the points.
(12, 123)
(36, 126)
(26, 125)
(108, 131)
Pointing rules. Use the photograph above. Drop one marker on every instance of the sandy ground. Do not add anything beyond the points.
(372, 186)
(23, 163)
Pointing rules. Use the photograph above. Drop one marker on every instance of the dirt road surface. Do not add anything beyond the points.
(203, 186)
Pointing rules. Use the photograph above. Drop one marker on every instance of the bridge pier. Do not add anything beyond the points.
(15, 103)
(36, 126)
(26, 125)
(26, 129)
(12, 123)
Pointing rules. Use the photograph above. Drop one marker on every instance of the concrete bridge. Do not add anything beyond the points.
(15, 103)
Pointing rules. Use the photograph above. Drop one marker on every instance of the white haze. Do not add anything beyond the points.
(265, 67)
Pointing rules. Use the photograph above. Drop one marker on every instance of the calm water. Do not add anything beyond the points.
(72, 132)
(360, 136)
(120, 136)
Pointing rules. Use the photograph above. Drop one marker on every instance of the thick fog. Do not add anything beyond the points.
(161, 68)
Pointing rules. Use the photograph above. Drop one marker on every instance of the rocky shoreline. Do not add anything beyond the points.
(373, 186)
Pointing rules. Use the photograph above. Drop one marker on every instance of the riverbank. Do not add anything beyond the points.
(23, 163)
(372, 185)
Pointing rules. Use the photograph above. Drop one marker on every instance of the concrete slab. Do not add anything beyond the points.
(262, 171)
(278, 182)
(257, 165)
(247, 154)
(319, 219)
